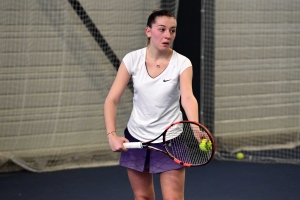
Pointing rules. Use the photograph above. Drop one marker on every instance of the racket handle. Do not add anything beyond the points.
(133, 145)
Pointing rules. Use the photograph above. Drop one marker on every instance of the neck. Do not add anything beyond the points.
(158, 55)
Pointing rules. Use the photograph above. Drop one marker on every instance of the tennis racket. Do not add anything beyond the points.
(182, 141)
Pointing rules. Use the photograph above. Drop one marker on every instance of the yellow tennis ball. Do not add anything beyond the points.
(240, 156)
(209, 145)
(205, 145)
(202, 147)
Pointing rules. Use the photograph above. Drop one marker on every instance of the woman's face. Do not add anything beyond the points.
(163, 32)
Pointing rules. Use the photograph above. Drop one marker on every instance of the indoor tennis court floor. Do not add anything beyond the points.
(219, 180)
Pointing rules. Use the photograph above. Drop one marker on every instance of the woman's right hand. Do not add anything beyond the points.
(116, 143)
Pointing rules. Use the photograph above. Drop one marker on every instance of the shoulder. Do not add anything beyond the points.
(133, 59)
(181, 61)
(136, 53)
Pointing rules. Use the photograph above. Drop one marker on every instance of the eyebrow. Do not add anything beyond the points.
(165, 26)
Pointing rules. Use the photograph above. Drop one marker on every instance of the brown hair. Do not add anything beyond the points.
(157, 13)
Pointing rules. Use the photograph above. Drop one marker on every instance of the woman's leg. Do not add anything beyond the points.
(141, 184)
(172, 184)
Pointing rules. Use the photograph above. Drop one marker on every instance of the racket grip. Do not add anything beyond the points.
(133, 145)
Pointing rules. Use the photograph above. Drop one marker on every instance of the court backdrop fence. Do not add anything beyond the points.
(59, 59)
(256, 78)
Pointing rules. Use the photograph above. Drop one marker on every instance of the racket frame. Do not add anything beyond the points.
(167, 152)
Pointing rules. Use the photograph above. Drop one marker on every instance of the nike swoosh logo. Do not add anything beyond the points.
(166, 80)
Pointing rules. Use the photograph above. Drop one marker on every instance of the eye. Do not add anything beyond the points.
(173, 31)
(162, 30)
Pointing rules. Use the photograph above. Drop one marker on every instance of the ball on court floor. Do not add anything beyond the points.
(205, 145)
(240, 156)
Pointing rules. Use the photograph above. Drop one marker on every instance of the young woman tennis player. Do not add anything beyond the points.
(161, 77)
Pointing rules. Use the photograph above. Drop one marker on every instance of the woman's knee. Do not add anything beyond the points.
(172, 184)
(142, 184)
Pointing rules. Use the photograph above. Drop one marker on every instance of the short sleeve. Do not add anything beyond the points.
(128, 62)
(185, 64)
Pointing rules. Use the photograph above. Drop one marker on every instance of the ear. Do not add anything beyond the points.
(148, 31)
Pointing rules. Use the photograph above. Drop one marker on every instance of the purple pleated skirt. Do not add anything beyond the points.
(142, 159)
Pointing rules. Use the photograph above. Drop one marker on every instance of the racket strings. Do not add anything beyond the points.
(185, 143)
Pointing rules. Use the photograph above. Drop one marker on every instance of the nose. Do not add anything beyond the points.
(168, 35)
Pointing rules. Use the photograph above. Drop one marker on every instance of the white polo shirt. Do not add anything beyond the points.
(156, 100)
